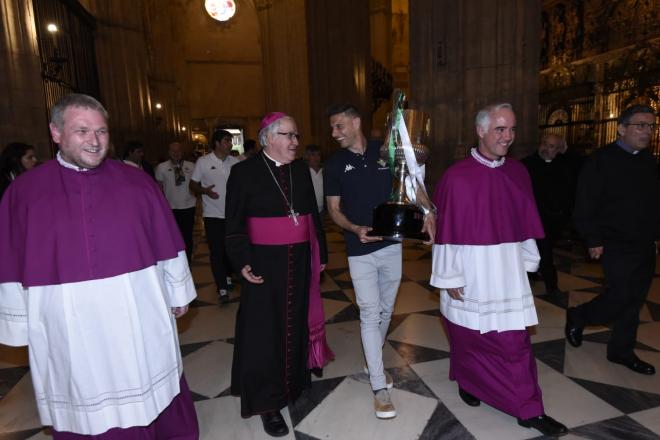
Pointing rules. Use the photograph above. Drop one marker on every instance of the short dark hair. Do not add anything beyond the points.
(629, 112)
(131, 146)
(312, 148)
(347, 108)
(10, 159)
(218, 136)
(249, 144)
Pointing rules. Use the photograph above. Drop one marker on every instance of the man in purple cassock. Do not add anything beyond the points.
(275, 238)
(485, 243)
(93, 275)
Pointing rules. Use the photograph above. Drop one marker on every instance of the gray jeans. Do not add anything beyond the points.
(376, 278)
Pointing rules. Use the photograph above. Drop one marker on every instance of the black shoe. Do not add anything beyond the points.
(468, 398)
(573, 331)
(318, 372)
(274, 424)
(546, 425)
(635, 364)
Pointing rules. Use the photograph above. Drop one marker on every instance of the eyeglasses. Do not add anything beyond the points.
(291, 135)
(643, 126)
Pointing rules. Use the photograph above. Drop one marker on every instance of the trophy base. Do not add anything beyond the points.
(398, 222)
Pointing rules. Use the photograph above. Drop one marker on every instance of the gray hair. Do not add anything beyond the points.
(74, 100)
(270, 130)
(483, 117)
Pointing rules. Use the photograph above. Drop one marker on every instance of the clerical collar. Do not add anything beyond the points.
(625, 147)
(66, 164)
(277, 164)
(544, 159)
(484, 161)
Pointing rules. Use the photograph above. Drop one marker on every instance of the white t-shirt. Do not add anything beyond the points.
(317, 181)
(178, 196)
(209, 170)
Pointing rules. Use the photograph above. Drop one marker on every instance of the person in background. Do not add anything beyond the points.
(134, 156)
(313, 158)
(617, 213)
(174, 176)
(209, 179)
(16, 158)
(250, 149)
(552, 182)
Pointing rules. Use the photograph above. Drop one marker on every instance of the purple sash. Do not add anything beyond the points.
(283, 231)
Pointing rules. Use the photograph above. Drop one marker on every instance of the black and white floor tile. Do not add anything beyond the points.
(594, 398)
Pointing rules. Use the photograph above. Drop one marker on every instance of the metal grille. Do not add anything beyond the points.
(68, 59)
(591, 122)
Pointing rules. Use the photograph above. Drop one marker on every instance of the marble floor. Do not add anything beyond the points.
(594, 398)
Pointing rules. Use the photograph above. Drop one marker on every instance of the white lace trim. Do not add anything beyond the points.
(482, 160)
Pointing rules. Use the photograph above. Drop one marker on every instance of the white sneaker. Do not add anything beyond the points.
(383, 405)
(229, 283)
(389, 382)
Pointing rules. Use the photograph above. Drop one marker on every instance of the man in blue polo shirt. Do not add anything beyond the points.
(355, 181)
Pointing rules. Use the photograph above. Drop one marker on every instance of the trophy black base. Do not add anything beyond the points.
(398, 222)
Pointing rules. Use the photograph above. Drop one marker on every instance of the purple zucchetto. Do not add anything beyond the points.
(272, 117)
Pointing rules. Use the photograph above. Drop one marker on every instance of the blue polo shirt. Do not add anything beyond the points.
(363, 182)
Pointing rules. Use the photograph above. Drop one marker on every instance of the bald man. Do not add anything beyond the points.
(552, 182)
(174, 177)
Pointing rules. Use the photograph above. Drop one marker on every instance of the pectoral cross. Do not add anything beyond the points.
(294, 215)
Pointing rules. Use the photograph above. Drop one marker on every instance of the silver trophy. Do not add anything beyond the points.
(402, 217)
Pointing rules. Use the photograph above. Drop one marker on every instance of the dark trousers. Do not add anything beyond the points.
(185, 219)
(629, 272)
(547, 264)
(215, 235)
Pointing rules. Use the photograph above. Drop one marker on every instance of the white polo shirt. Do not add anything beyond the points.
(209, 170)
(178, 196)
(317, 181)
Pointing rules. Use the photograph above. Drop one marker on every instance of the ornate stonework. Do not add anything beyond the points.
(597, 57)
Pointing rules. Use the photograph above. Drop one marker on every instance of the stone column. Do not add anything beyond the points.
(283, 28)
(23, 114)
(123, 65)
(465, 55)
(381, 51)
(339, 54)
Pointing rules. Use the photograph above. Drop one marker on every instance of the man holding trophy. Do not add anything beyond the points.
(358, 186)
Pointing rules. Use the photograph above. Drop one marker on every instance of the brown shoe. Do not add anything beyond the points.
(383, 405)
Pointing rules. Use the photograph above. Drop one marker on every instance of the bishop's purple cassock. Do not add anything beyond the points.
(486, 225)
(92, 263)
